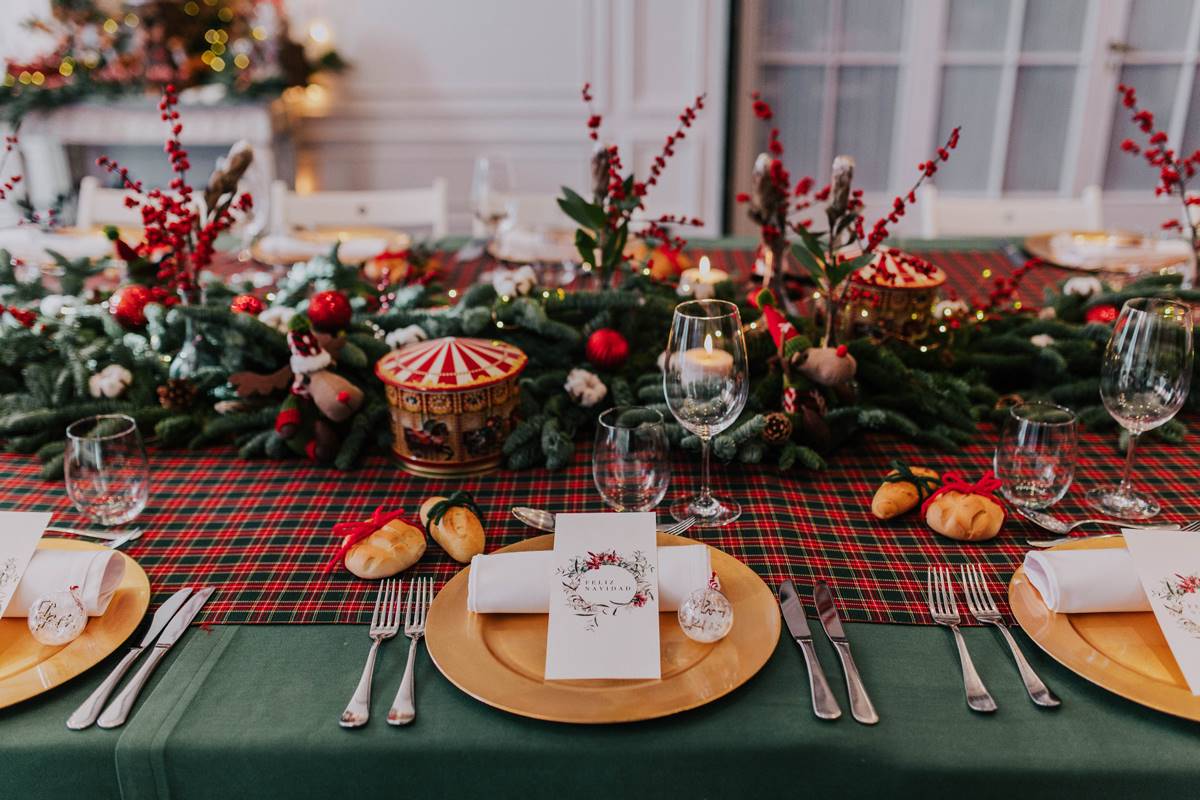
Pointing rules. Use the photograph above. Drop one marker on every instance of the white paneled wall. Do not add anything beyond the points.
(435, 84)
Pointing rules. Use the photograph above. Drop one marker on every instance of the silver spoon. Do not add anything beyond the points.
(113, 535)
(544, 520)
(1191, 526)
(1056, 525)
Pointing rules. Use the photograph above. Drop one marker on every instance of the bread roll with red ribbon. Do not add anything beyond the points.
(454, 523)
(967, 512)
(903, 489)
(378, 547)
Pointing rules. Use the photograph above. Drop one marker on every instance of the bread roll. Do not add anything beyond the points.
(393, 548)
(965, 517)
(894, 498)
(460, 533)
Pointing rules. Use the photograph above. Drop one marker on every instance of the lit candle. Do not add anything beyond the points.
(700, 282)
(708, 362)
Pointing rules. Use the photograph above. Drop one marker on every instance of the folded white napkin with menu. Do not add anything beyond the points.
(97, 573)
(1083, 581)
(519, 583)
(289, 248)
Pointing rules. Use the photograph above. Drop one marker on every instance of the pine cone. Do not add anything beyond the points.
(777, 428)
(177, 394)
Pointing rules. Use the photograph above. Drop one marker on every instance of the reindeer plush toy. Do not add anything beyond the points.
(318, 399)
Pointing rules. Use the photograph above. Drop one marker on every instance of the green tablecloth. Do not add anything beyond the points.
(245, 711)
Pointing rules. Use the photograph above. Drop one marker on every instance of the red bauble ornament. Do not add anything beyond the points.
(607, 348)
(129, 303)
(1105, 315)
(246, 304)
(329, 311)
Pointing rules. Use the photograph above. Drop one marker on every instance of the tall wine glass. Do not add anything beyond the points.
(1144, 380)
(706, 381)
(491, 185)
(107, 476)
(631, 463)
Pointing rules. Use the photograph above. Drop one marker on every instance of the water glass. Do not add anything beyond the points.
(491, 186)
(1144, 379)
(630, 462)
(107, 475)
(706, 382)
(1035, 459)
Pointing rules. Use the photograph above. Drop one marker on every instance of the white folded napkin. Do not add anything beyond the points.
(30, 244)
(97, 573)
(519, 583)
(1083, 581)
(286, 248)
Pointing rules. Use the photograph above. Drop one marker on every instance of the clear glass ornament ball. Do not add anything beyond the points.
(57, 618)
(706, 615)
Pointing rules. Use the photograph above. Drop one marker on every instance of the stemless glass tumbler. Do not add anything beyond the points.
(631, 462)
(706, 382)
(1035, 459)
(1144, 379)
(107, 476)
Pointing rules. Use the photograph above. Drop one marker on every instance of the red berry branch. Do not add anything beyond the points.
(605, 219)
(1173, 170)
(774, 204)
(178, 236)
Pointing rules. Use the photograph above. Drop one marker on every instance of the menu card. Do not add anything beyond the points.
(604, 598)
(19, 535)
(1168, 565)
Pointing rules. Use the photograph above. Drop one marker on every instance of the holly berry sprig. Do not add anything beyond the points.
(605, 219)
(1173, 170)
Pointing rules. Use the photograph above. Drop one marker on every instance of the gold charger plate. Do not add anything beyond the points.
(1040, 246)
(28, 668)
(499, 659)
(1124, 653)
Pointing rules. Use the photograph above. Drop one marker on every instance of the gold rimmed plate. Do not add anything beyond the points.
(27, 668)
(499, 659)
(1124, 653)
(1107, 251)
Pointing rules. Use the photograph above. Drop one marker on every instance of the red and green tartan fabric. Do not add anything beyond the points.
(262, 531)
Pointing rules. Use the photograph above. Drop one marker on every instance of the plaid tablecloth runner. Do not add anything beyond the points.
(261, 531)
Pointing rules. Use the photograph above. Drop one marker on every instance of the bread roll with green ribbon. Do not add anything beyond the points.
(903, 489)
(454, 523)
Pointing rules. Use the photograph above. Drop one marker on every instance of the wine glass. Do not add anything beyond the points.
(491, 187)
(706, 381)
(630, 462)
(1035, 459)
(1144, 380)
(107, 476)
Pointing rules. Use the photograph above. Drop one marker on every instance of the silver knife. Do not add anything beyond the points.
(87, 712)
(860, 704)
(825, 705)
(118, 710)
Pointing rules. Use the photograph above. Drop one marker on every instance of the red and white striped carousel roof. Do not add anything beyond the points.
(450, 364)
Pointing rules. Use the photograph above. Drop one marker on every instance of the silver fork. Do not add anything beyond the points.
(385, 623)
(944, 610)
(404, 709)
(983, 608)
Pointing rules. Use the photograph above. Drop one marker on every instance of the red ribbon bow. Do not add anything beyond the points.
(953, 482)
(354, 532)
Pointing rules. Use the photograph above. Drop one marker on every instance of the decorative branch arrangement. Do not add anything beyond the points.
(605, 220)
(1174, 170)
(829, 255)
(178, 233)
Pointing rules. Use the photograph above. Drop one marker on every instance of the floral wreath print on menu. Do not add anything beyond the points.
(1181, 597)
(606, 592)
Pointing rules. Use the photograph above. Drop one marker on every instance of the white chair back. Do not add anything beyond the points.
(974, 216)
(403, 208)
(100, 206)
